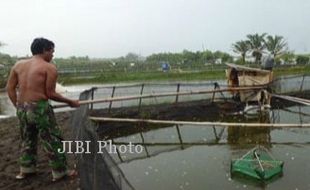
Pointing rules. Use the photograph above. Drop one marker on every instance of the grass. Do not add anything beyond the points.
(292, 70)
(114, 77)
(145, 76)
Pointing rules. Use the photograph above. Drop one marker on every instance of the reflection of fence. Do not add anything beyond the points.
(178, 143)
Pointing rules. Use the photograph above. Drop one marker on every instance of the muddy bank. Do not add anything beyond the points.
(9, 153)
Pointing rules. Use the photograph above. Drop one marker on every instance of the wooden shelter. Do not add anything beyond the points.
(241, 76)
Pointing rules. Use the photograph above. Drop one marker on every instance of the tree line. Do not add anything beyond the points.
(255, 45)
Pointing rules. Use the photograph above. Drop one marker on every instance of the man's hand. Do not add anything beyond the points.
(74, 103)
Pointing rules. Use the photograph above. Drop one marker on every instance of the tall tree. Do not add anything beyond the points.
(276, 45)
(257, 45)
(241, 47)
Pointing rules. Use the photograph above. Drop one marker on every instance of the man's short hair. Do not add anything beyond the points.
(39, 45)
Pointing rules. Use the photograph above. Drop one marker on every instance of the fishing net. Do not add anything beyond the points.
(97, 171)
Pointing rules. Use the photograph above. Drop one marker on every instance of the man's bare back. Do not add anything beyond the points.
(34, 79)
(32, 76)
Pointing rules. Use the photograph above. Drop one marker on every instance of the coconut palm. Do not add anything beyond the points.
(241, 47)
(276, 45)
(257, 45)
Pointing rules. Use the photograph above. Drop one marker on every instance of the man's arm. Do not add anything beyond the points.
(51, 78)
(11, 86)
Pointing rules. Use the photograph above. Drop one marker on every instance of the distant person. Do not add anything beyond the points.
(267, 63)
(30, 85)
(234, 82)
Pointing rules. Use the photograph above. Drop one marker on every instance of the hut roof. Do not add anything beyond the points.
(244, 68)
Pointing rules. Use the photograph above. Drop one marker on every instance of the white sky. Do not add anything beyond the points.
(112, 28)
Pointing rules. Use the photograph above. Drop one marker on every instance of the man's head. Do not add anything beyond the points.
(44, 47)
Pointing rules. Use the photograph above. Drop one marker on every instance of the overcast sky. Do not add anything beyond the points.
(112, 28)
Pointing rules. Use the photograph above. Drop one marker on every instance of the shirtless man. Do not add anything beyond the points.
(30, 85)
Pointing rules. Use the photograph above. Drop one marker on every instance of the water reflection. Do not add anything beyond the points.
(158, 138)
(194, 157)
(251, 135)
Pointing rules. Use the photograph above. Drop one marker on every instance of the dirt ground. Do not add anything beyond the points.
(9, 154)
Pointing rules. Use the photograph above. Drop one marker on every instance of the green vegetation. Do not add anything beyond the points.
(145, 76)
(256, 44)
(185, 65)
(302, 60)
(215, 74)
(241, 47)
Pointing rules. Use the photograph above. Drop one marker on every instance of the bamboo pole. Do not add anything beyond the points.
(121, 98)
(293, 99)
(204, 143)
(112, 95)
(177, 96)
(204, 123)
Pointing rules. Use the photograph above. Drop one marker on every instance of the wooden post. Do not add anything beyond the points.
(117, 151)
(92, 97)
(140, 100)
(302, 83)
(215, 134)
(112, 95)
(180, 137)
(213, 95)
(145, 148)
(177, 96)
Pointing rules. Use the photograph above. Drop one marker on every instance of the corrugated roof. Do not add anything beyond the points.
(244, 68)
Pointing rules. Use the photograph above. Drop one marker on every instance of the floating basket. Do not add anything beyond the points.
(258, 164)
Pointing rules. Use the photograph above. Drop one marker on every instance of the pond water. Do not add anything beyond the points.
(199, 157)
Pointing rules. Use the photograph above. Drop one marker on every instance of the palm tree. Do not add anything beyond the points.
(257, 45)
(276, 45)
(241, 47)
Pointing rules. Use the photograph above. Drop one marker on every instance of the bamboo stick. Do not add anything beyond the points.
(204, 123)
(293, 99)
(120, 98)
(203, 143)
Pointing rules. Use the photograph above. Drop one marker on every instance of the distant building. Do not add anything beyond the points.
(250, 59)
(218, 61)
(165, 66)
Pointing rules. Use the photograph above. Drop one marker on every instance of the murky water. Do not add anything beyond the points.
(191, 157)
(198, 157)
